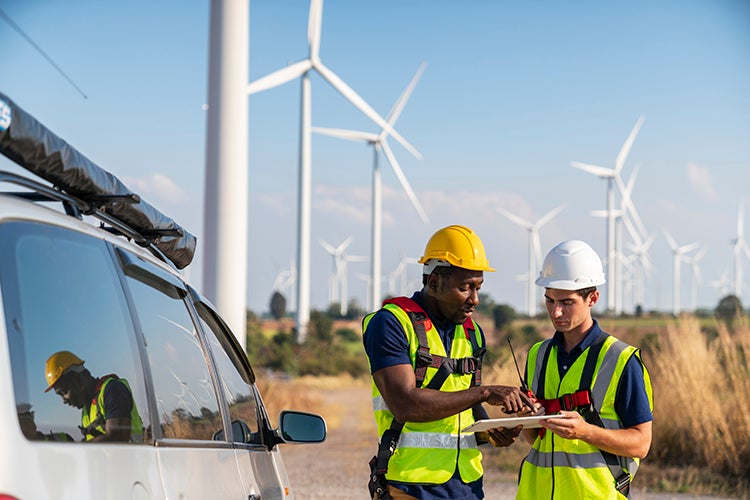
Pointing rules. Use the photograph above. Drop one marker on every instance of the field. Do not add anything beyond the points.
(701, 378)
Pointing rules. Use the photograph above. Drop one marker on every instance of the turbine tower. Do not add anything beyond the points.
(695, 277)
(535, 250)
(380, 142)
(225, 226)
(612, 176)
(739, 246)
(301, 69)
(677, 255)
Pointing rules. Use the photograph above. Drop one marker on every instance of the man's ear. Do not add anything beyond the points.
(432, 282)
(593, 298)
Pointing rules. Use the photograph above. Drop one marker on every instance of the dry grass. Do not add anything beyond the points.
(304, 394)
(702, 398)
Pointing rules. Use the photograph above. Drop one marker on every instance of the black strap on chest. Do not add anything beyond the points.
(583, 402)
(446, 366)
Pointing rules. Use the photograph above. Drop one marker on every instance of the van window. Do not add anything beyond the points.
(186, 402)
(61, 292)
(235, 380)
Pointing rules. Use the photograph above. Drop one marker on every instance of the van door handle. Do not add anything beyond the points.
(253, 496)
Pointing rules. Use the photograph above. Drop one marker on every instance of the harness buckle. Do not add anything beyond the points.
(423, 353)
(622, 483)
(567, 402)
(467, 366)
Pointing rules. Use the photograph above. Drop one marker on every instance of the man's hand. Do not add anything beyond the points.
(510, 398)
(501, 437)
(573, 426)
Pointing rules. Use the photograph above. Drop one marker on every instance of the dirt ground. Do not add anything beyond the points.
(337, 469)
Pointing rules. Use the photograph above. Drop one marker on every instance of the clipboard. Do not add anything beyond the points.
(530, 422)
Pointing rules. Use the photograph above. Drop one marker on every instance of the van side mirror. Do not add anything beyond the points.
(301, 427)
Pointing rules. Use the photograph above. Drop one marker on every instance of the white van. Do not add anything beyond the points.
(88, 268)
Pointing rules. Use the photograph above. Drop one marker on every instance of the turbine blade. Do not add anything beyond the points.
(671, 241)
(688, 247)
(537, 247)
(399, 106)
(355, 258)
(631, 230)
(329, 248)
(404, 182)
(604, 173)
(515, 218)
(620, 161)
(599, 213)
(314, 21)
(740, 222)
(349, 135)
(362, 105)
(343, 246)
(279, 77)
(549, 216)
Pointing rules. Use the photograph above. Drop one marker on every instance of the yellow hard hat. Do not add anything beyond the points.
(459, 246)
(57, 364)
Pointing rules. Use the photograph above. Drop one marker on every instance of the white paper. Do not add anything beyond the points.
(529, 422)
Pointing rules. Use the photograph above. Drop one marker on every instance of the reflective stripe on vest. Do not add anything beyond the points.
(438, 443)
(571, 468)
(91, 413)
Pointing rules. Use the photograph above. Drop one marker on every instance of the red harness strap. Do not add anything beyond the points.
(567, 402)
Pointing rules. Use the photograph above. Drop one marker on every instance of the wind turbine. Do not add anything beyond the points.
(379, 142)
(677, 256)
(695, 278)
(345, 280)
(723, 284)
(612, 176)
(301, 69)
(643, 268)
(535, 250)
(286, 279)
(334, 279)
(738, 246)
(621, 218)
(397, 277)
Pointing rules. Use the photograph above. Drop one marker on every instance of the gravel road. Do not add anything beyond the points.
(337, 468)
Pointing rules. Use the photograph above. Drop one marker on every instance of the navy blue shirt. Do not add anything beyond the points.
(386, 345)
(631, 400)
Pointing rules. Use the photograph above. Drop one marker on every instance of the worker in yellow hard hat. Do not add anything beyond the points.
(108, 410)
(425, 355)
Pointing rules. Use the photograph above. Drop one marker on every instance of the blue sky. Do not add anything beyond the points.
(512, 93)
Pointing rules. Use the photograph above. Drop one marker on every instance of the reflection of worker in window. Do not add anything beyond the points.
(28, 426)
(108, 411)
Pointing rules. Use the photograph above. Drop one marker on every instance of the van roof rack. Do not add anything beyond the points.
(83, 187)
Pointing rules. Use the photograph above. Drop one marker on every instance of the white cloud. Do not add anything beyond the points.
(158, 185)
(700, 180)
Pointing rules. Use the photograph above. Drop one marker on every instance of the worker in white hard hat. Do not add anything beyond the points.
(425, 355)
(598, 384)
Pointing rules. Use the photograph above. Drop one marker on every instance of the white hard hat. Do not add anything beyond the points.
(571, 265)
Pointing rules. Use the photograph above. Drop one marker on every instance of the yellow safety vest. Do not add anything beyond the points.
(429, 452)
(570, 468)
(96, 407)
